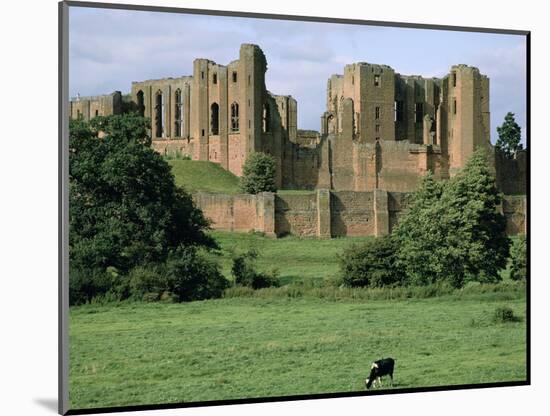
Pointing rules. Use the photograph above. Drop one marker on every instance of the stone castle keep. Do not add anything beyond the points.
(381, 131)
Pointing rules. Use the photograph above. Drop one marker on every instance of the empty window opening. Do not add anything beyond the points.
(266, 119)
(454, 105)
(96, 113)
(377, 128)
(419, 112)
(398, 111)
(140, 103)
(159, 115)
(178, 114)
(453, 76)
(214, 119)
(235, 117)
(377, 113)
(249, 80)
(215, 78)
(377, 80)
(202, 74)
(234, 76)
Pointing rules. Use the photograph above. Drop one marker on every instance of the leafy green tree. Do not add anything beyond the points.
(124, 207)
(258, 174)
(509, 137)
(453, 231)
(518, 257)
(372, 264)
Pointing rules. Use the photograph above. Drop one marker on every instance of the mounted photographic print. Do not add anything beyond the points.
(266, 208)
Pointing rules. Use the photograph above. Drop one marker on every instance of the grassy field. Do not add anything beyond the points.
(281, 341)
(237, 348)
(295, 258)
(194, 175)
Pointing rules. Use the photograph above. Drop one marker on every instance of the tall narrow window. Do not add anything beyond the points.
(140, 103)
(235, 117)
(234, 76)
(377, 113)
(398, 107)
(419, 112)
(159, 115)
(266, 119)
(215, 78)
(249, 78)
(178, 114)
(453, 76)
(78, 115)
(377, 80)
(97, 112)
(377, 128)
(214, 119)
(454, 105)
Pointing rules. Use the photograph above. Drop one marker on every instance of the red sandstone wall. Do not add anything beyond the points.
(352, 213)
(296, 214)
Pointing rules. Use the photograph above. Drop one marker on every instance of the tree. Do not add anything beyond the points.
(421, 233)
(258, 174)
(509, 137)
(518, 258)
(124, 207)
(453, 231)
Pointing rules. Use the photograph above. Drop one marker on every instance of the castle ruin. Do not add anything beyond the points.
(381, 130)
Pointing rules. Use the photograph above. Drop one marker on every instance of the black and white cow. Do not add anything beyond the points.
(380, 368)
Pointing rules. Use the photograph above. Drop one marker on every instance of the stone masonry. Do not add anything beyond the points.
(381, 130)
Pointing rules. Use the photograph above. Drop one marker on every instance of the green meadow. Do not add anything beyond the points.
(306, 337)
(146, 353)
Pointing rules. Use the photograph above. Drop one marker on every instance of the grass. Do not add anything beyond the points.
(195, 175)
(303, 338)
(244, 348)
(295, 258)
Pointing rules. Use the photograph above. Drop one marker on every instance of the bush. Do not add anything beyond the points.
(245, 273)
(147, 280)
(518, 258)
(372, 264)
(258, 174)
(86, 285)
(191, 276)
(504, 314)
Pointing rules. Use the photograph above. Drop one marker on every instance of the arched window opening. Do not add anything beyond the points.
(234, 117)
(159, 115)
(178, 113)
(215, 119)
(140, 103)
(266, 119)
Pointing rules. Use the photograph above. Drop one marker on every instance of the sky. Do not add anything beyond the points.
(108, 49)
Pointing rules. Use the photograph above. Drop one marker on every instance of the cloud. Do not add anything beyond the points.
(111, 48)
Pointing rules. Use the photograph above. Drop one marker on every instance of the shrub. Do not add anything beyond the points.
(372, 264)
(518, 258)
(258, 174)
(147, 280)
(86, 285)
(504, 314)
(245, 273)
(191, 276)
